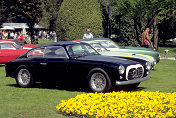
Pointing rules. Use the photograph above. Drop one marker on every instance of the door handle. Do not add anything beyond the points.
(43, 64)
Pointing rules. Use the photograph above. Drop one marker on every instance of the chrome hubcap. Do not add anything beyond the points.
(24, 76)
(98, 81)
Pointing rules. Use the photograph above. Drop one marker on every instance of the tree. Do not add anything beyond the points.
(167, 26)
(50, 10)
(75, 16)
(2, 12)
(143, 12)
(24, 11)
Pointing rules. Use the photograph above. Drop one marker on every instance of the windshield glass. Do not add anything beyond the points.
(108, 44)
(98, 47)
(81, 50)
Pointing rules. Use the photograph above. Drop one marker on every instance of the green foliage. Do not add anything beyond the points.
(75, 16)
(167, 29)
(1, 12)
(24, 11)
(50, 10)
(127, 35)
(141, 12)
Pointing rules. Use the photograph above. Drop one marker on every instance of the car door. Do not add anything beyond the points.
(56, 62)
(9, 52)
(36, 63)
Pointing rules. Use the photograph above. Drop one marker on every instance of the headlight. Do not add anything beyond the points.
(148, 65)
(154, 62)
(121, 69)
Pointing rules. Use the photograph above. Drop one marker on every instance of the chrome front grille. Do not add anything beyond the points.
(134, 72)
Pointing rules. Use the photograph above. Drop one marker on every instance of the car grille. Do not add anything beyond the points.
(134, 72)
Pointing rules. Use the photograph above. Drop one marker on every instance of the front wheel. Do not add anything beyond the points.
(24, 78)
(99, 80)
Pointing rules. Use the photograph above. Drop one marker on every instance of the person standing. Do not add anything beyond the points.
(11, 35)
(146, 42)
(88, 34)
(0, 34)
(20, 36)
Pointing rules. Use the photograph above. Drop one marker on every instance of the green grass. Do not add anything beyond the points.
(163, 78)
(40, 102)
(42, 41)
(34, 102)
(171, 52)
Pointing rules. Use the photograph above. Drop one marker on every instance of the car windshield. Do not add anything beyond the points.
(98, 47)
(79, 50)
(108, 44)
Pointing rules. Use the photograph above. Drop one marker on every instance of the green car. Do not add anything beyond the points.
(112, 46)
(103, 51)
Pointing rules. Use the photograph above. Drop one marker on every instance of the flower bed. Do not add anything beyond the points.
(120, 104)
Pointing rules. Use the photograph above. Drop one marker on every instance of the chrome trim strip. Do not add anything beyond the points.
(131, 81)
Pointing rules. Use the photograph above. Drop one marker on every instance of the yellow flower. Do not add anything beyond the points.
(121, 104)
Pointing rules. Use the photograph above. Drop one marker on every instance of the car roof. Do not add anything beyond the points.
(6, 42)
(63, 43)
(89, 39)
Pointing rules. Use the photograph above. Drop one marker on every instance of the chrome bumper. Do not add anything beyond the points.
(131, 81)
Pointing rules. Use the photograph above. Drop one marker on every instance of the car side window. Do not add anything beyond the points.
(36, 53)
(55, 52)
(6, 47)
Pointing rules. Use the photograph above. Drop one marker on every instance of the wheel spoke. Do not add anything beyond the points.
(24, 77)
(98, 81)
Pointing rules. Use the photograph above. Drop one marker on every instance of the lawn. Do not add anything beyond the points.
(171, 46)
(40, 102)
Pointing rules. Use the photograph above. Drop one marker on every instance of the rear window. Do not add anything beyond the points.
(6, 47)
(38, 52)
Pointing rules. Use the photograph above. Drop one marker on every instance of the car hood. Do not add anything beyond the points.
(145, 51)
(125, 54)
(136, 48)
(107, 59)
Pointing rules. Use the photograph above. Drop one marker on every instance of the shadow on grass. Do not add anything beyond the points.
(78, 88)
(126, 89)
(54, 86)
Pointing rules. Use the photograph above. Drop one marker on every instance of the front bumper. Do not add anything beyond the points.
(131, 81)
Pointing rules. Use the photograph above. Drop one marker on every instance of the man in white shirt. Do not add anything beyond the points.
(88, 34)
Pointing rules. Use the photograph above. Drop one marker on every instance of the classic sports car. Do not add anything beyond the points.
(110, 45)
(78, 62)
(21, 43)
(10, 51)
(104, 51)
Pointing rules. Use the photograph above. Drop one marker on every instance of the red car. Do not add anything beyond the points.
(10, 51)
(20, 43)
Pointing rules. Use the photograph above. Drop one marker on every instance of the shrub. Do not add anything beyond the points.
(75, 16)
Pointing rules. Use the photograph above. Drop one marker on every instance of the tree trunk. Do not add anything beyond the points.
(155, 34)
(31, 30)
(154, 16)
(137, 33)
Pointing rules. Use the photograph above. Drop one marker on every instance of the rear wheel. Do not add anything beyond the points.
(24, 78)
(99, 80)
